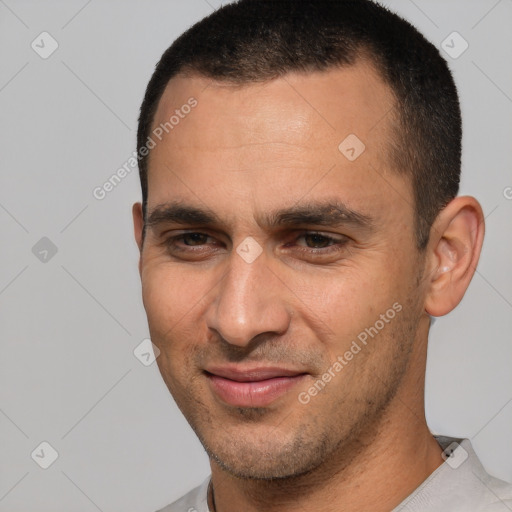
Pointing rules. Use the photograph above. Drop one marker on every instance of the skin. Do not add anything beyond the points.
(362, 443)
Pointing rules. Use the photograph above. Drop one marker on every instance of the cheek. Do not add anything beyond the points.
(173, 302)
(344, 304)
(345, 297)
(170, 295)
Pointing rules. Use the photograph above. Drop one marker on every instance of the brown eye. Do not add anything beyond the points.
(193, 244)
(311, 244)
(194, 238)
(316, 241)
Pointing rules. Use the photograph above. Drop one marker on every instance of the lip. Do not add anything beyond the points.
(252, 387)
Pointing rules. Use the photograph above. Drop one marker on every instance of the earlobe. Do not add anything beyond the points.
(454, 249)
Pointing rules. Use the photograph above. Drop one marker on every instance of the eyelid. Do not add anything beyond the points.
(174, 238)
(323, 234)
(297, 234)
(336, 242)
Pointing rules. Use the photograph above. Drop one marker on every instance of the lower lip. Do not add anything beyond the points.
(252, 394)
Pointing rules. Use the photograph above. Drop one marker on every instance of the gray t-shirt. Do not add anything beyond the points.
(460, 484)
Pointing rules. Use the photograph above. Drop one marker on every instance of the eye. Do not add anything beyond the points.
(308, 243)
(191, 242)
(194, 239)
(317, 244)
(317, 241)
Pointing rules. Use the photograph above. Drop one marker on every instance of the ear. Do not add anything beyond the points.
(453, 252)
(138, 226)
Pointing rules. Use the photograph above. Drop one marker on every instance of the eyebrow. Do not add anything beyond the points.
(323, 213)
(179, 213)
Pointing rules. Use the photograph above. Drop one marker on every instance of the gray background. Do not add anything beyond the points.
(69, 324)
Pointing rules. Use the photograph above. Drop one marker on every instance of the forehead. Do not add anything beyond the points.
(323, 101)
(260, 142)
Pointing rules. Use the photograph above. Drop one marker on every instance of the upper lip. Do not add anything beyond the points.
(252, 374)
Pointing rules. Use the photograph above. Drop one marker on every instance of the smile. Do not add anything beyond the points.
(257, 387)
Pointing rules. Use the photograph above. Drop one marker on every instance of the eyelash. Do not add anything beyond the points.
(334, 243)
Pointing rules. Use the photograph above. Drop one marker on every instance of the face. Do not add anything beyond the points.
(279, 276)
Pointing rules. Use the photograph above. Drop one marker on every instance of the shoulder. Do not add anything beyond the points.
(460, 484)
(498, 494)
(193, 501)
(486, 492)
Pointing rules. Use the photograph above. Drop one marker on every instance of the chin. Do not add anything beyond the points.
(281, 459)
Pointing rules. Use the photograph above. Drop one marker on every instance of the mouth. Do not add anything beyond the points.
(252, 387)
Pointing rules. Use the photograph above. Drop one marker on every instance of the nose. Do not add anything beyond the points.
(251, 300)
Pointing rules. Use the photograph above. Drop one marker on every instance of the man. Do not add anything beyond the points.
(297, 232)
